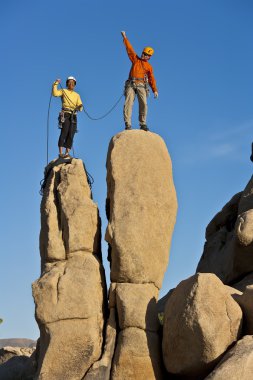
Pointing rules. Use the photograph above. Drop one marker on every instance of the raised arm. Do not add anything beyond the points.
(55, 91)
(130, 50)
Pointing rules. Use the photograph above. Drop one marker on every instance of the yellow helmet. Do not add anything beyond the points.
(148, 50)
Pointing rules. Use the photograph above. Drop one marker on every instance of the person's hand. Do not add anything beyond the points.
(123, 34)
(57, 81)
(155, 94)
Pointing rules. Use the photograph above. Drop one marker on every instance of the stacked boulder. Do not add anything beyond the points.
(70, 294)
(201, 321)
(208, 324)
(228, 250)
(17, 363)
(141, 209)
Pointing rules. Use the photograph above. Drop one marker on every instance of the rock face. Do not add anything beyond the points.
(69, 295)
(201, 321)
(14, 363)
(245, 300)
(237, 364)
(228, 250)
(141, 208)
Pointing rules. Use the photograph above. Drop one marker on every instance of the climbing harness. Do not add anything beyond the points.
(73, 118)
(136, 83)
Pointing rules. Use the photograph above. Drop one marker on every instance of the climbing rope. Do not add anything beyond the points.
(90, 179)
(47, 172)
(87, 114)
(48, 113)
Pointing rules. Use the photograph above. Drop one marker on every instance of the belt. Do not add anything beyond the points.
(133, 78)
(69, 110)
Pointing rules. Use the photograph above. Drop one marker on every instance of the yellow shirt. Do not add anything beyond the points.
(70, 99)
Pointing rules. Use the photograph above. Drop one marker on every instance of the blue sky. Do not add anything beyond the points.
(203, 66)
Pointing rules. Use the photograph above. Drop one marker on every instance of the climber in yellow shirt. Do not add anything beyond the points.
(71, 103)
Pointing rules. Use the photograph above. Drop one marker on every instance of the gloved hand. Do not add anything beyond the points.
(155, 94)
(123, 34)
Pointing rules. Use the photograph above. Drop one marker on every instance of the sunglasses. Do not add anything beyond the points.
(147, 55)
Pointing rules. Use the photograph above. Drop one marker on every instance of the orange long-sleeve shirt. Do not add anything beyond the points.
(139, 67)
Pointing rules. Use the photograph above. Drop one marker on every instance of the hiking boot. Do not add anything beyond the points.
(67, 155)
(61, 155)
(127, 127)
(144, 127)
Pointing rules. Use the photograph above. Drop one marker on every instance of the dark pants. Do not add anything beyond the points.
(68, 131)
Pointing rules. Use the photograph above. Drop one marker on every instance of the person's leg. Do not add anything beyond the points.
(71, 134)
(128, 106)
(64, 134)
(143, 107)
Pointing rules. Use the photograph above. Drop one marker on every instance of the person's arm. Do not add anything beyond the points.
(130, 50)
(55, 91)
(79, 104)
(152, 82)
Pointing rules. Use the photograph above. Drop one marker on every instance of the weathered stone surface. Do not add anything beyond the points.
(8, 352)
(244, 228)
(246, 302)
(70, 289)
(101, 369)
(69, 218)
(141, 206)
(218, 252)
(71, 347)
(237, 364)
(112, 295)
(13, 361)
(201, 321)
(228, 250)
(137, 306)
(233, 292)
(137, 356)
(241, 285)
(162, 301)
(70, 294)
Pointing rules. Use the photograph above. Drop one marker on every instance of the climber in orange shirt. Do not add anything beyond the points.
(140, 78)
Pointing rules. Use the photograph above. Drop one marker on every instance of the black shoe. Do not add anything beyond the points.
(144, 127)
(128, 127)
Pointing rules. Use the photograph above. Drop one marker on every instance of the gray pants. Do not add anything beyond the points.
(129, 101)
